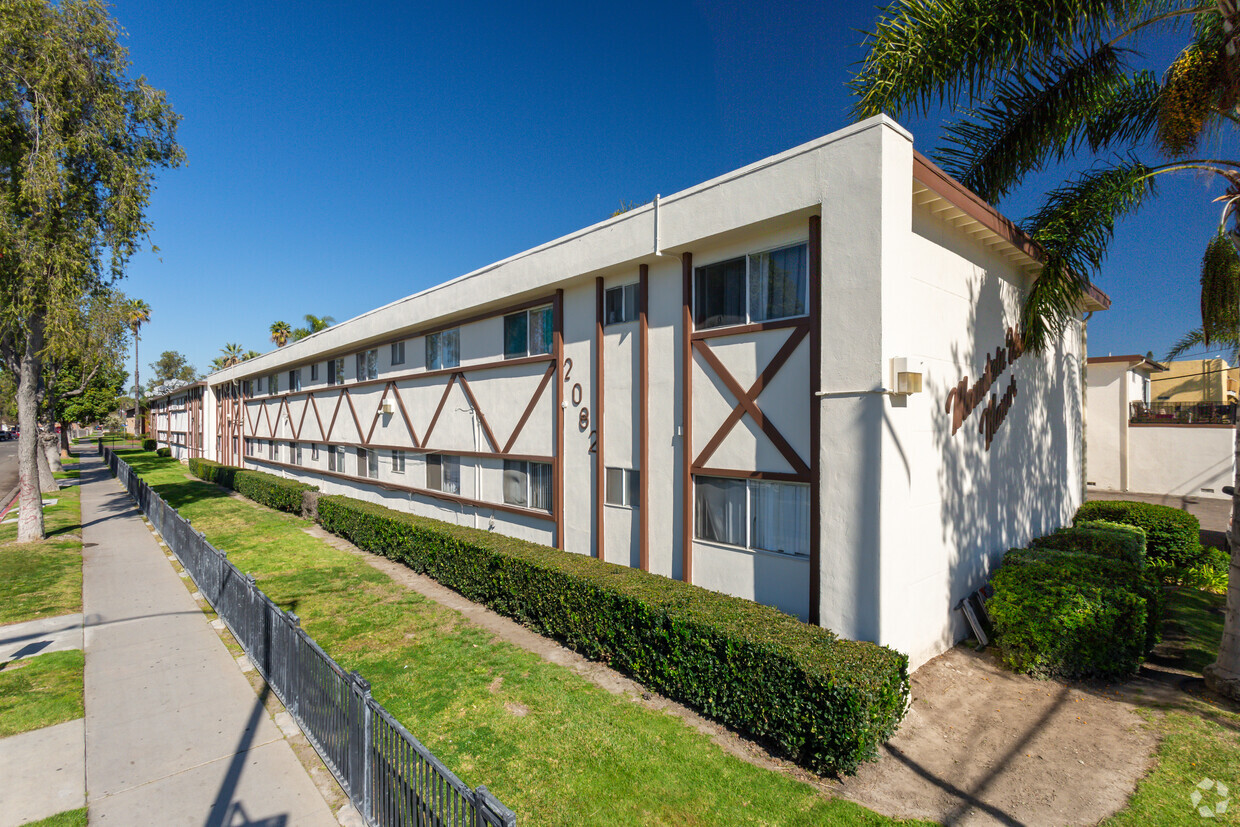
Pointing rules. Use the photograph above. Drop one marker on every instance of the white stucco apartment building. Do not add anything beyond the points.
(702, 387)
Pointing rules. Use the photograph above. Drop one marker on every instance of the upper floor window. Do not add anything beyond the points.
(335, 371)
(294, 380)
(527, 333)
(314, 372)
(620, 304)
(398, 353)
(273, 383)
(368, 365)
(755, 288)
(443, 349)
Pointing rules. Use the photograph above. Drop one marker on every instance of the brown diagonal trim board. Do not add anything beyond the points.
(400, 403)
(426, 439)
(482, 418)
(378, 411)
(529, 409)
(768, 373)
(755, 413)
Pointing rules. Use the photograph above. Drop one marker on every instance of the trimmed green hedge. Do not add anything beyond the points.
(149, 445)
(272, 491)
(1067, 614)
(826, 702)
(1114, 540)
(1171, 535)
(164, 452)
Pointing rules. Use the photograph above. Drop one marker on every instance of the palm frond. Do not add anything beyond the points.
(1196, 339)
(1074, 227)
(1126, 117)
(1031, 118)
(1220, 291)
(924, 52)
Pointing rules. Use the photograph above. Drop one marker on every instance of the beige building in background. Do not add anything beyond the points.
(1196, 380)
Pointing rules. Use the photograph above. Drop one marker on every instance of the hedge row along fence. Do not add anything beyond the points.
(824, 701)
(267, 489)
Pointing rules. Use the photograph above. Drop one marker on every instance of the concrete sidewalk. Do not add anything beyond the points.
(174, 732)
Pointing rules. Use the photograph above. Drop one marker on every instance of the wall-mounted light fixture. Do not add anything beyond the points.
(908, 372)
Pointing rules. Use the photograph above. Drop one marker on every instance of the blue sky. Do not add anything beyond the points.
(342, 155)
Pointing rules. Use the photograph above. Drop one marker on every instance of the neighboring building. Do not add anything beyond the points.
(1192, 381)
(1138, 444)
(706, 387)
(175, 418)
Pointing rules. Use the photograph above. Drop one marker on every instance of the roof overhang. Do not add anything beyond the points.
(1133, 361)
(951, 201)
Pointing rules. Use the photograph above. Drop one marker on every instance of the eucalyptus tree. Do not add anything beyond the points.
(82, 141)
(1041, 83)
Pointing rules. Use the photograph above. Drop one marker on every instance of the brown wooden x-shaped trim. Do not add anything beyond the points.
(305, 409)
(284, 407)
(249, 420)
(378, 410)
(482, 419)
(746, 400)
(331, 426)
(317, 417)
(353, 412)
(400, 403)
(529, 409)
(426, 439)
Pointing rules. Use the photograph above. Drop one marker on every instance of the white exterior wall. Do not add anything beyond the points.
(912, 518)
(1193, 460)
(1106, 441)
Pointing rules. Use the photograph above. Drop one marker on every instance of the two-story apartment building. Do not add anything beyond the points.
(800, 383)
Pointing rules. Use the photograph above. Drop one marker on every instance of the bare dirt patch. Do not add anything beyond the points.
(981, 745)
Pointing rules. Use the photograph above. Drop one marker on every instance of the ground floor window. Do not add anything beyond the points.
(398, 461)
(314, 452)
(527, 484)
(622, 487)
(773, 516)
(334, 459)
(367, 463)
(294, 453)
(443, 473)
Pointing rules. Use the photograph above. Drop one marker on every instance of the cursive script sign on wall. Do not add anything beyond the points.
(964, 398)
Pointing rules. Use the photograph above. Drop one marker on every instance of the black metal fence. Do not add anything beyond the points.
(389, 775)
(1182, 413)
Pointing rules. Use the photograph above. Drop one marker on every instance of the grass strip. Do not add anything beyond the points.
(44, 578)
(554, 747)
(69, 818)
(41, 691)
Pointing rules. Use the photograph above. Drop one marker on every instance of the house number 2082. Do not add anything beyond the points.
(575, 395)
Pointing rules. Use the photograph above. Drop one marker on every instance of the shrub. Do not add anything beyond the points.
(1114, 540)
(1061, 613)
(824, 701)
(149, 445)
(1171, 535)
(272, 491)
(164, 452)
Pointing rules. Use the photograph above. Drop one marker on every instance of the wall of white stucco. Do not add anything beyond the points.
(1192, 460)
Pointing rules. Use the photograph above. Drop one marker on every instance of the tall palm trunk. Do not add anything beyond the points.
(137, 406)
(1223, 676)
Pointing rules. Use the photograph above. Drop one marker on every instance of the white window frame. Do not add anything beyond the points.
(398, 462)
(630, 480)
(314, 452)
(748, 271)
(273, 384)
(434, 359)
(439, 462)
(294, 453)
(367, 463)
(749, 515)
(367, 365)
(273, 450)
(525, 468)
(294, 380)
(314, 372)
(333, 459)
(623, 290)
(398, 353)
(528, 328)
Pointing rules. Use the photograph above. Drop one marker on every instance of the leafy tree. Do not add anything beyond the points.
(171, 367)
(81, 364)
(81, 144)
(317, 323)
(300, 333)
(98, 399)
(280, 332)
(1041, 82)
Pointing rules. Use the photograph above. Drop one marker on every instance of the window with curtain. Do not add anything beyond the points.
(754, 288)
(443, 349)
(443, 473)
(622, 486)
(620, 304)
(527, 484)
(772, 516)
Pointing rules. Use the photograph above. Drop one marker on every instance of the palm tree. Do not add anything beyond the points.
(137, 313)
(317, 323)
(300, 333)
(232, 354)
(280, 332)
(1035, 82)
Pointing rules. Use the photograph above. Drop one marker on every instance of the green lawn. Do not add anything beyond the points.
(69, 818)
(1200, 738)
(40, 691)
(43, 579)
(557, 749)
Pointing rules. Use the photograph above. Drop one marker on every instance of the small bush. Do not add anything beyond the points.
(826, 702)
(1171, 535)
(267, 489)
(1114, 540)
(149, 445)
(1065, 614)
(164, 452)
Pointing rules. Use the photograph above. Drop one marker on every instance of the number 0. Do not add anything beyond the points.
(576, 394)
